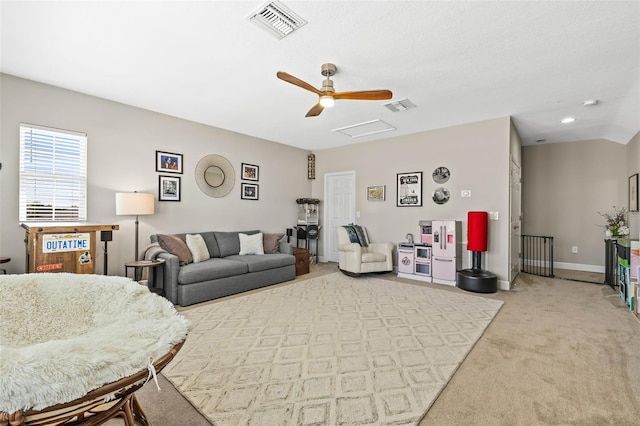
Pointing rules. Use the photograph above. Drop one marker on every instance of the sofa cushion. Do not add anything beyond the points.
(176, 246)
(250, 244)
(212, 245)
(264, 262)
(229, 242)
(197, 247)
(271, 242)
(211, 269)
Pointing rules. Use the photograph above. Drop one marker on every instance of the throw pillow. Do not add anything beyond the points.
(174, 245)
(251, 244)
(362, 235)
(271, 243)
(357, 235)
(197, 247)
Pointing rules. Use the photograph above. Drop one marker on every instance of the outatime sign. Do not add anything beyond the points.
(57, 243)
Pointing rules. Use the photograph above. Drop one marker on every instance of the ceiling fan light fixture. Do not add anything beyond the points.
(327, 101)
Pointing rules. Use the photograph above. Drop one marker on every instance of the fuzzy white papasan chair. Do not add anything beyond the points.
(75, 347)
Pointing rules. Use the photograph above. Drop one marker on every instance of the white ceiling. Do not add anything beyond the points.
(459, 62)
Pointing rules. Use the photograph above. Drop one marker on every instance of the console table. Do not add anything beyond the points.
(62, 247)
(610, 262)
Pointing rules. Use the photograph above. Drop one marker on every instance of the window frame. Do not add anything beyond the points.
(52, 175)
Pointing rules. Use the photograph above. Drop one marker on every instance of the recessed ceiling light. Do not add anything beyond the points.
(568, 120)
(590, 102)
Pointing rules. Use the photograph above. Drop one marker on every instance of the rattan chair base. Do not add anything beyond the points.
(115, 399)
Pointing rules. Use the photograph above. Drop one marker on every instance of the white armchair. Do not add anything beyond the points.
(358, 256)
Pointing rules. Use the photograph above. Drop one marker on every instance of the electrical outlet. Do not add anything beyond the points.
(574, 249)
(494, 216)
(358, 214)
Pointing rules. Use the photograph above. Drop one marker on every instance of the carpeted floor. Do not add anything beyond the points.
(328, 350)
(559, 352)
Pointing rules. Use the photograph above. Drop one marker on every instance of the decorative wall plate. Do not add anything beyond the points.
(441, 195)
(441, 175)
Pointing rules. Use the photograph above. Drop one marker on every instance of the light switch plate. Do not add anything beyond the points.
(465, 193)
(494, 216)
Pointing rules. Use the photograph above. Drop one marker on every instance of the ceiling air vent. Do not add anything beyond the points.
(365, 129)
(276, 19)
(401, 105)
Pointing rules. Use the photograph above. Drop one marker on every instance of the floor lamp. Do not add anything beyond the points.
(134, 204)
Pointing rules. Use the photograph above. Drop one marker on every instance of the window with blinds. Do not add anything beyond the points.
(53, 175)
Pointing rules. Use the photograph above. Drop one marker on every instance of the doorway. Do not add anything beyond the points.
(339, 209)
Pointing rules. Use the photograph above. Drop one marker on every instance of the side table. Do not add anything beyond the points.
(302, 260)
(138, 266)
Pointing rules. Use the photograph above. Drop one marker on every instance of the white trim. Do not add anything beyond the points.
(579, 267)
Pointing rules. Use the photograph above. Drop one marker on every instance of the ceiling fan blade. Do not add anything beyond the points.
(366, 95)
(297, 82)
(315, 110)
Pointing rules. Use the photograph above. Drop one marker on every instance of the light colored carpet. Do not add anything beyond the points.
(328, 350)
(587, 374)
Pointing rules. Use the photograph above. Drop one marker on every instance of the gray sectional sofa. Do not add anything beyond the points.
(224, 273)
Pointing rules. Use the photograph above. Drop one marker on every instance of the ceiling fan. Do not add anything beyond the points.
(327, 93)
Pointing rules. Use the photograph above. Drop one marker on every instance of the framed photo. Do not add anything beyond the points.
(633, 193)
(168, 162)
(409, 191)
(250, 172)
(249, 191)
(169, 188)
(376, 193)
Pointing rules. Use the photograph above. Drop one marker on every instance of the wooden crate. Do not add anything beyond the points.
(62, 247)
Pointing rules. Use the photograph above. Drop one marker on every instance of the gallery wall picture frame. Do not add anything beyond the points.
(250, 172)
(249, 191)
(409, 189)
(168, 188)
(376, 193)
(633, 193)
(168, 162)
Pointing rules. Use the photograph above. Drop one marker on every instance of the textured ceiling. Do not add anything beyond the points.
(459, 62)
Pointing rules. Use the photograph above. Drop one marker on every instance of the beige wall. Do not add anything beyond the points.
(121, 157)
(477, 155)
(565, 185)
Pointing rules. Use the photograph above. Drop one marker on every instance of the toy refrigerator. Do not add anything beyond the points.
(446, 258)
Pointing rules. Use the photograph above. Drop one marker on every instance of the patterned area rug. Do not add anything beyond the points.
(331, 350)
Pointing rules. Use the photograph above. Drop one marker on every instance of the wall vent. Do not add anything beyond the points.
(276, 19)
(401, 105)
(365, 129)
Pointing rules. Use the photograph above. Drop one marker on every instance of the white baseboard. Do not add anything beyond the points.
(504, 285)
(579, 267)
(565, 265)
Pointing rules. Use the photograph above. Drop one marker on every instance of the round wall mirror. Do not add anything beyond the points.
(215, 175)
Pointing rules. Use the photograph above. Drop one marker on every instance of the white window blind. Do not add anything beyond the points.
(53, 175)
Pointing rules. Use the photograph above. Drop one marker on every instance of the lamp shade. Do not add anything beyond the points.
(134, 203)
